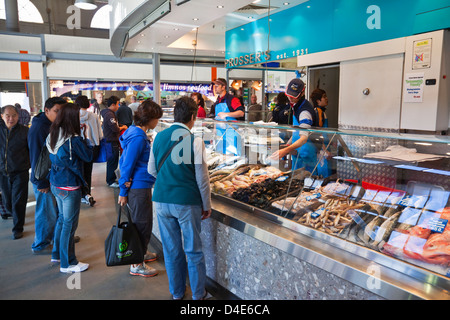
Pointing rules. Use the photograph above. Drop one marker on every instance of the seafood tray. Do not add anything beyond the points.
(263, 193)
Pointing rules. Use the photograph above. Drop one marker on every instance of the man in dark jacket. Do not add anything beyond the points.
(111, 133)
(46, 210)
(14, 165)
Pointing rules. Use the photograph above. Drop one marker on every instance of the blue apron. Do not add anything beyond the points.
(307, 154)
(323, 166)
(229, 140)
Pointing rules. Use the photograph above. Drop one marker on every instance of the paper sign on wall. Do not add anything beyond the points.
(422, 54)
(414, 87)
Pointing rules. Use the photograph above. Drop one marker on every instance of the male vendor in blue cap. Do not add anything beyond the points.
(227, 108)
(304, 153)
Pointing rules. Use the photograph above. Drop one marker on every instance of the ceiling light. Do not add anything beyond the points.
(286, 3)
(195, 19)
(86, 4)
(220, 7)
(176, 29)
(256, 1)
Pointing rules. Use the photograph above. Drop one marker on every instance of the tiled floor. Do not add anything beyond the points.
(24, 275)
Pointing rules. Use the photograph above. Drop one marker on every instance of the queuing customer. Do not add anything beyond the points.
(99, 105)
(182, 198)
(282, 113)
(111, 132)
(133, 169)
(46, 210)
(24, 115)
(303, 151)
(92, 121)
(134, 104)
(124, 114)
(255, 109)
(68, 150)
(198, 99)
(14, 165)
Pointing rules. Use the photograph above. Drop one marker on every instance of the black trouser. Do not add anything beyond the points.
(141, 211)
(15, 196)
(112, 163)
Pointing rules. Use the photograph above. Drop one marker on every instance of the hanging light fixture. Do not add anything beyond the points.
(86, 4)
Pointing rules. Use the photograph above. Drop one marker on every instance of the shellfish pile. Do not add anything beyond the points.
(261, 194)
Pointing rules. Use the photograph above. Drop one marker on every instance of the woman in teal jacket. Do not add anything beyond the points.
(135, 182)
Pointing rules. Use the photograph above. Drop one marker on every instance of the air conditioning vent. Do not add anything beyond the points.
(255, 9)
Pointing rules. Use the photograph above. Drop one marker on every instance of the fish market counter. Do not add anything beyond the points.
(255, 255)
(369, 219)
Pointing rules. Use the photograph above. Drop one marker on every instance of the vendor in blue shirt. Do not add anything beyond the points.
(304, 153)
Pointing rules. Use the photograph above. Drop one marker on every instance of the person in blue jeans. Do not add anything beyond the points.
(68, 150)
(46, 210)
(136, 183)
(182, 198)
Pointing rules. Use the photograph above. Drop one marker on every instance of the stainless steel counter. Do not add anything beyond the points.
(371, 270)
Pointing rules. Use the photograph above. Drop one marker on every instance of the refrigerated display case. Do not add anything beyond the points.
(380, 196)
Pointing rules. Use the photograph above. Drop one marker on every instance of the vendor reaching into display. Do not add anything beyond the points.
(227, 106)
(303, 151)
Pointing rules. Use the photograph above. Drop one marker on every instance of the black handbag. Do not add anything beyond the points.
(123, 246)
(43, 164)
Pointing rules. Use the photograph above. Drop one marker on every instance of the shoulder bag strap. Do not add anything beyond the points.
(170, 150)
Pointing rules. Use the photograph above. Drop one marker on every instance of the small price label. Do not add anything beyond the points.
(317, 213)
(314, 196)
(437, 224)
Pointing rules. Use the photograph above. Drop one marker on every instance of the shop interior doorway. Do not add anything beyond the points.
(327, 78)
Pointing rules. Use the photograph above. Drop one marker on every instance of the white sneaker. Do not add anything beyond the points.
(113, 185)
(83, 200)
(80, 267)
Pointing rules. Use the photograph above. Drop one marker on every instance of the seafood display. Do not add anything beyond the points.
(261, 194)
(410, 227)
(332, 216)
(227, 182)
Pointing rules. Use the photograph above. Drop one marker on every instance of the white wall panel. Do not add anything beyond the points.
(58, 43)
(14, 44)
(87, 70)
(10, 70)
(424, 115)
(383, 77)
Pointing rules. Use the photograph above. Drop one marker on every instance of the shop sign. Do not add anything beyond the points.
(298, 31)
(248, 59)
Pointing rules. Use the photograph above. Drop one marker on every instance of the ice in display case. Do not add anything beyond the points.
(380, 191)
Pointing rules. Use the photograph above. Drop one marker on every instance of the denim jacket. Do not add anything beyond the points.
(67, 162)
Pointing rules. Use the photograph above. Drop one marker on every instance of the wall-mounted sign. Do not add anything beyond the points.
(413, 91)
(342, 23)
(422, 54)
(251, 58)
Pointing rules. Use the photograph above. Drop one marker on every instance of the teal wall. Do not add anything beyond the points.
(320, 25)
